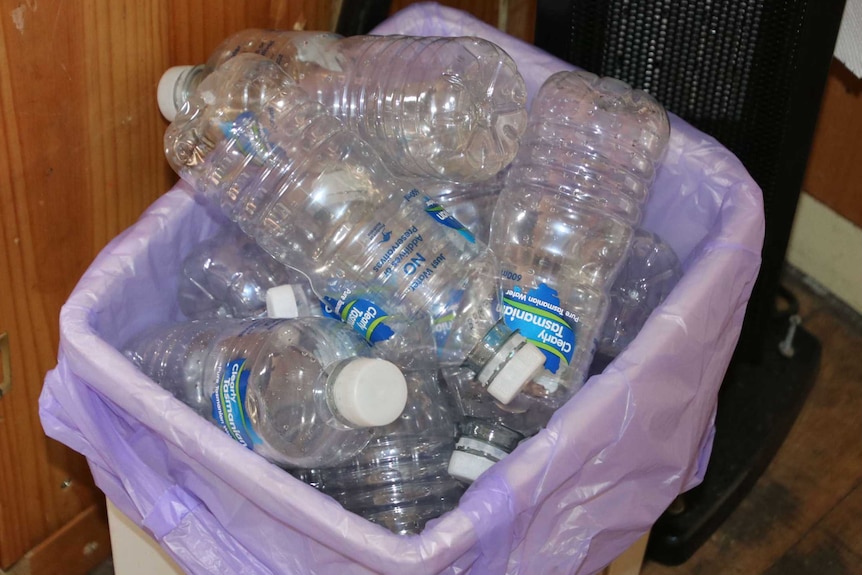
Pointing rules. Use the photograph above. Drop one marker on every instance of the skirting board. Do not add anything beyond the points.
(828, 248)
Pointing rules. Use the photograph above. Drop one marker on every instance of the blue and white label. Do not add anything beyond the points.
(363, 316)
(229, 404)
(442, 216)
(250, 136)
(538, 316)
(442, 319)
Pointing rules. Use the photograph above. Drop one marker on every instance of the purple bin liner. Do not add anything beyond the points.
(568, 500)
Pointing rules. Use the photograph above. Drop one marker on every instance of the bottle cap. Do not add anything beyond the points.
(509, 372)
(370, 392)
(472, 457)
(467, 467)
(281, 302)
(167, 88)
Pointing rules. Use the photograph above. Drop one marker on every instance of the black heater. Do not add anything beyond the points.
(751, 73)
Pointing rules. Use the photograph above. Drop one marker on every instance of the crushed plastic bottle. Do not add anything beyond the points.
(442, 107)
(300, 392)
(228, 276)
(650, 272)
(400, 480)
(320, 200)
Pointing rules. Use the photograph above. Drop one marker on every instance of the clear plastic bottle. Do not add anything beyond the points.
(566, 216)
(301, 392)
(228, 275)
(414, 348)
(471, 204)
(488, 430)
(562, 227)
(650, 272)
(400, 480)
(320, 200)
(449, 108)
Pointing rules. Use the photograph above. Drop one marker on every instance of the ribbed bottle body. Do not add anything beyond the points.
(400, 480)
(450, 108)
(565, 218)
(264, 382)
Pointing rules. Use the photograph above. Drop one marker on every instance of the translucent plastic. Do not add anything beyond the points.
(450, 108)
(282, 402)
(648, 275)
(320, 200)
(471, 204)
(562, 225)
(414, 348)
(400, 479)
(227, 275)
(564, 221)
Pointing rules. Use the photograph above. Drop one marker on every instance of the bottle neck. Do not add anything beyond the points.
(187, 83)
(485, 358)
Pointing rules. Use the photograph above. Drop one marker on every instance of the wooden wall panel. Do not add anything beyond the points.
(80, 158)
(834, 174)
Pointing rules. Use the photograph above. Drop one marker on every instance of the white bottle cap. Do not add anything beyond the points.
(167, 89)
(370, 392)
(467, 467)
(281, 302)
(516, 371)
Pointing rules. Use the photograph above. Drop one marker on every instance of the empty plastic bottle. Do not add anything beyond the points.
(415, 348)
(301, 392)
(450, 108)
(228, 275)
(488, 431)
(471, 204)
(650, 272)
(320, 200)
(562, 227)
(400, 480)
(566, 216)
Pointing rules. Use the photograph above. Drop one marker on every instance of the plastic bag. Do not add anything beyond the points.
(568, 500)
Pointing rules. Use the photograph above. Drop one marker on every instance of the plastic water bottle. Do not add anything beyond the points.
(471, 204)
(400, 480)
(449, 108)
(562, 226)
(415, 348)
(228, 275)
(301, 392)
(647, 277)
(320, 200)
(565, 219)
(487, 430)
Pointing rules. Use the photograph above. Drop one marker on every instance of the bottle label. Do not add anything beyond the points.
(250, 136)
(229, 404)
(363, 316)
(442, 319)
(442, 216)
(538, 316)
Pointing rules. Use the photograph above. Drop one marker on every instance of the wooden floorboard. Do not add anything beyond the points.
(804, 515)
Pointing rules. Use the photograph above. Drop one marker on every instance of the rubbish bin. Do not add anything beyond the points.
(568, 500)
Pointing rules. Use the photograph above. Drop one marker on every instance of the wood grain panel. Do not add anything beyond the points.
(80, 158)
(834, 173)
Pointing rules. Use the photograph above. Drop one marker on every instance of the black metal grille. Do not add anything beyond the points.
(748, 72)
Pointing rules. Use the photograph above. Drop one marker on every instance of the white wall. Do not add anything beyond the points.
(827, 247)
